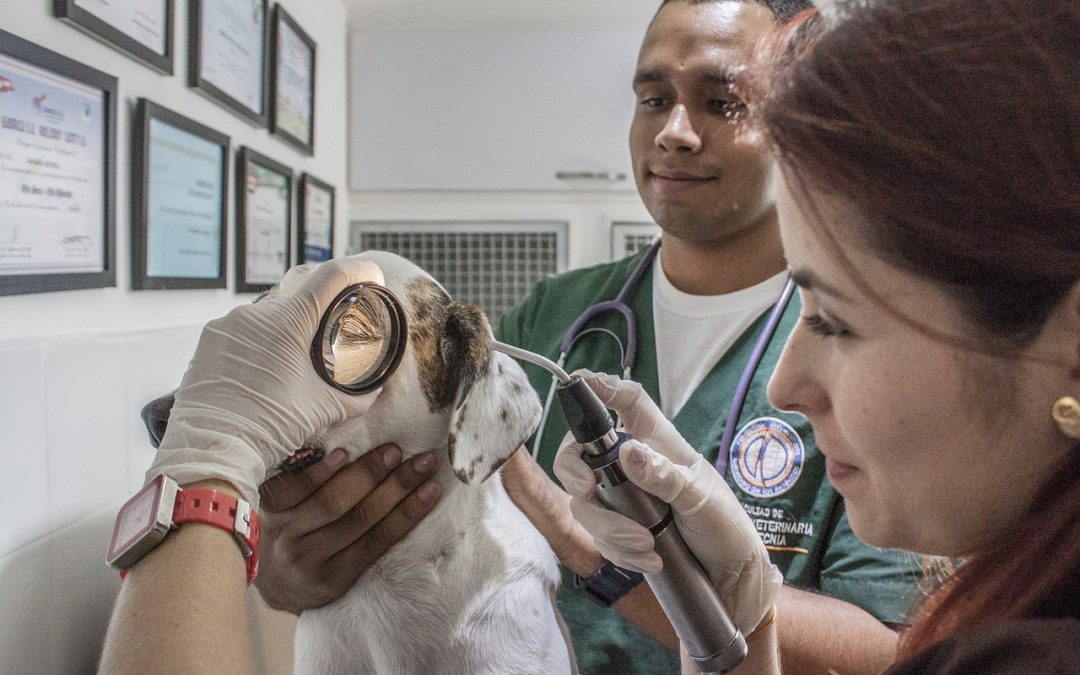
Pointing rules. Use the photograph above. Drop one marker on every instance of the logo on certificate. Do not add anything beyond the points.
(766, 457)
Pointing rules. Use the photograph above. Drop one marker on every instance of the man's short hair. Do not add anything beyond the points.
(781, 9)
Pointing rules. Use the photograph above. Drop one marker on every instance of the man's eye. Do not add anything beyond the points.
(652, 102)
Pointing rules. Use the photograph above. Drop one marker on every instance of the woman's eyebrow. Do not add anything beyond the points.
(809, 281)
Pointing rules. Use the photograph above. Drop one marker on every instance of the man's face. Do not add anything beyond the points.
(702, 174)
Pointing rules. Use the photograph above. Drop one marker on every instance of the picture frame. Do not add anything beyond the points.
(127, 26)
(264, 197)
(292, 82)
(179, 212)
(232, 72)
(58, 175)
(315, 203)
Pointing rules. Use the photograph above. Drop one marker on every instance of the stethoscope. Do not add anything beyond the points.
(628, 354)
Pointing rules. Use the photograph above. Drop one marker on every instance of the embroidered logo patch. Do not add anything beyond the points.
(766, 457)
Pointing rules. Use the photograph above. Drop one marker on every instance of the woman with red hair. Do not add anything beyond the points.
(928, 156)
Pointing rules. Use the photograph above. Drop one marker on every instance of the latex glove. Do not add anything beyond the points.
(707, 513)
(251, 396)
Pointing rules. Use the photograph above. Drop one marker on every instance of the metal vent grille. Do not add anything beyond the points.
(491, 265)
(629, 238)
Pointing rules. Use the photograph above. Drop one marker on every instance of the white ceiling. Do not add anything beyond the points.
(422, 15)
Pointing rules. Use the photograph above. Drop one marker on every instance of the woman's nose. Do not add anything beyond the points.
(795, 385)
(678, 134)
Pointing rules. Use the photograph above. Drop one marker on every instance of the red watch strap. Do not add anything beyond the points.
(204, 505)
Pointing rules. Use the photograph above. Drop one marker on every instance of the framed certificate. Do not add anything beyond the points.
(227, 54)
(179, 183)
(315, 220)
(57, 171)
(263, 221)
(142, 29)
(292, 83)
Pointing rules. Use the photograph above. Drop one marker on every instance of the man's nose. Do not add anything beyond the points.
(678, 134)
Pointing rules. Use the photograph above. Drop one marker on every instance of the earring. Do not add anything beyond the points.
(1066, 412)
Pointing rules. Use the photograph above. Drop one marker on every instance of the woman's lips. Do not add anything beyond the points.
(838, 471)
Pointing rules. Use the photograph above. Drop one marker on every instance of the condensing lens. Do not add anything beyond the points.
(361, 339)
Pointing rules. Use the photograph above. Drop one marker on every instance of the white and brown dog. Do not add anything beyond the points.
(471, 589)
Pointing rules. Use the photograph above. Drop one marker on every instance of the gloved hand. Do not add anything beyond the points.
(251, 396)
(707, 513)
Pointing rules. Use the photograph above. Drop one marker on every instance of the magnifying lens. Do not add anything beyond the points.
(361, 339)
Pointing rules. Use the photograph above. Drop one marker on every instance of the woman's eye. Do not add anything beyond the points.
(824, 327)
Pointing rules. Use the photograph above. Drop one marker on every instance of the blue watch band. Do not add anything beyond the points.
(608, 584)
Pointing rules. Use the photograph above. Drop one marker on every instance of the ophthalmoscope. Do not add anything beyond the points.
(682, 587)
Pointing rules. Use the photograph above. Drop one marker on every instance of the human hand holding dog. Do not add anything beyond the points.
(709, 516)
(250, 395)
(323, 526)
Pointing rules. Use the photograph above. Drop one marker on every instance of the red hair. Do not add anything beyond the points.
(954, 127)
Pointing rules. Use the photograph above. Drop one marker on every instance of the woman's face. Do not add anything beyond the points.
(934, 447)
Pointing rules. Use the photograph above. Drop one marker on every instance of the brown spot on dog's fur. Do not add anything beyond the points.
(450, 343)
(503, 414)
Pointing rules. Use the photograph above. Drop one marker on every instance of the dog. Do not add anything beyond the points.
(471, 589)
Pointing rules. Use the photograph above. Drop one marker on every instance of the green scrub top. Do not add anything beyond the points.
(774, 469)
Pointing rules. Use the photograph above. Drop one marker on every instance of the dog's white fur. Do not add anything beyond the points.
(471, 588)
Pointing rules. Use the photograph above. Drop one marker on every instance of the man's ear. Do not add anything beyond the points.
(495, 409)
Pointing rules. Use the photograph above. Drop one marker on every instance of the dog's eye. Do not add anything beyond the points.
(358, 326)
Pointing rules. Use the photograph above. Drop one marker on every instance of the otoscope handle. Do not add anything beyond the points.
(682, 587)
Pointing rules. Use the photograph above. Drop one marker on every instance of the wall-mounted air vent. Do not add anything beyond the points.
(629, 238)
(489, 264)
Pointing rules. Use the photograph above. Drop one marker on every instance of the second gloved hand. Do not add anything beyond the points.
(251, 396)
(707, 513)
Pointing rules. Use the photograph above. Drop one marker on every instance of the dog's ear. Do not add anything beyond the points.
(495, 408)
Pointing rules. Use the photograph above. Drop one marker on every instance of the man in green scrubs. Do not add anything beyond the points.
(705, 178)
(706, 181)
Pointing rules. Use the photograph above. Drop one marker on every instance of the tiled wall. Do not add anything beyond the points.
(74, 450)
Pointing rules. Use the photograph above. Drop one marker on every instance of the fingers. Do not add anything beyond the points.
(336, 275)
(284, 491)
(619, 539)
(384, 514)
(375, 541)
(617, 394)
(576, 477)
(687, 489)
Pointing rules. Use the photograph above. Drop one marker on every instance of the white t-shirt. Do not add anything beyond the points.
(694, 331)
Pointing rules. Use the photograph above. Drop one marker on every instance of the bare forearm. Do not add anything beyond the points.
(548, 508)
(819, 634)
(181, 608)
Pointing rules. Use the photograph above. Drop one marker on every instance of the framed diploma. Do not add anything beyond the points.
(292, 83)
(315, 220)
(263, 221)
(179, 187)
(57, 171)
(142, 29)
(227, 54)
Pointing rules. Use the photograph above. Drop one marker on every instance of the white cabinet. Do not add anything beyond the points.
(491, 110)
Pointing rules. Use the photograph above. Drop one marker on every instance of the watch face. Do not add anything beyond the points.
(136, 518)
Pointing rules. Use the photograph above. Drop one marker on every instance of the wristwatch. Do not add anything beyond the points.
(162, 505)
(608, 584)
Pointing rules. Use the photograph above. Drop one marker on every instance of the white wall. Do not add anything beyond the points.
(77, 366)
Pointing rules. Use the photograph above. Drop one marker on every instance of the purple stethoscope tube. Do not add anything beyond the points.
(619, 305)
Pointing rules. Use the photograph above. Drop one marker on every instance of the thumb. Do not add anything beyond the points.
(622, 396)
(659, 476)
(336, 275)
